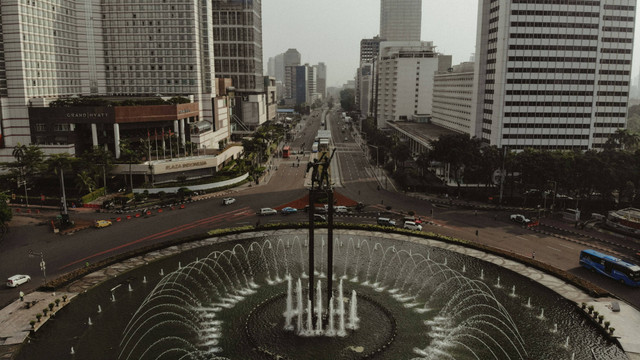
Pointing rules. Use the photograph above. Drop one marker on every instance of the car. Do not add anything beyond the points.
(346, 139)
(519, 218)
(102, 223)
(319, 218)
(267, 211)
(288, 210)
(411, 225)
(16, 280)
(386, 222)
(228, 201)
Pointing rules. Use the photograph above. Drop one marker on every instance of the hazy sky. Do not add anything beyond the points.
(330, 31)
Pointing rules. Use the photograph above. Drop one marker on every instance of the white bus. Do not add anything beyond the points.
(314, 148)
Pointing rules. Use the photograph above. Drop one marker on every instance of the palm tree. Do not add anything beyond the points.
(86, 181)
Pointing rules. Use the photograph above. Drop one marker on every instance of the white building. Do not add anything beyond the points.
(400, 20)
(405, 80)
(552, 74)
(52, 49)
(452, 98)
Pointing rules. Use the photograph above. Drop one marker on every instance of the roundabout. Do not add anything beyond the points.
(226, 297)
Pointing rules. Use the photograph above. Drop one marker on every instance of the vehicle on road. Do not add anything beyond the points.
(412, 218)
(610, 266)
(386, 222)
(521, 219)
(102, 223)
(267, 211)
(228, 201)
(16, 280)
(411, 225)
(288, 210)
(340, 209)
(285, 151)
(319, 218)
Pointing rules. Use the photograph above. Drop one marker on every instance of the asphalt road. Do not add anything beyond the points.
(65, 253)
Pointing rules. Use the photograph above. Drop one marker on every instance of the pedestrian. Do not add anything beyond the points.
(533, 255)
(21, 296)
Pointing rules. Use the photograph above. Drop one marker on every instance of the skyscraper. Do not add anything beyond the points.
(552, 74)
(55, 49)
(237, 34)
(321, 85)
(400, 20)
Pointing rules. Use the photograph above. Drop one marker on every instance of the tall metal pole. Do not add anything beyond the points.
(311, 246)
(64, 194)
(330, 247)
(502, 174)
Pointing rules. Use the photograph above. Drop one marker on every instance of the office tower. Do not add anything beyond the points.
(291, 60)
(452, 98)
(369, 49)
(552, 74)
(62, 49)
(321, 85)
(271, 67)
(400, 20)
(237, 34)
(405, 79)
(365, 89)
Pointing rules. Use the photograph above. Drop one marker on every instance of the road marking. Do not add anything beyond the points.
(522, 238)
(552, 248)
(567, 246)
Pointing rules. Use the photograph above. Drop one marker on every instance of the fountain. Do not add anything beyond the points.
(249, 299)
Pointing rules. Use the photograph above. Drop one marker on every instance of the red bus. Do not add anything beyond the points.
(285, 151)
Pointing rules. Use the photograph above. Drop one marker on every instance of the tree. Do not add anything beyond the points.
(130, 155)
(5, 213)
(623, 139)
(85, 181)
(348, 99)
(97, 162)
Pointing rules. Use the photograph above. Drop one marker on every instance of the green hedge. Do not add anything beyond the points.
(92, 195)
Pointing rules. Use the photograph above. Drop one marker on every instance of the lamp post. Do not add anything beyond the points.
(43, 266)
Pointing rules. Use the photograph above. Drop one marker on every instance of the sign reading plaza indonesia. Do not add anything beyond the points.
(185, 165)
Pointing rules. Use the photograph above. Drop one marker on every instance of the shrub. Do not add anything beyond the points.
(611, 330)
(57, 302)
(38, 316)
(590, 309)
(606, 324)
(32, 323)
(51, 305)
(45, 311)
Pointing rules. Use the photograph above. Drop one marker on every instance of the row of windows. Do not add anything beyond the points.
(544, 126)
(558, 2)
(553, 25)
(615, 51)
(618, 28)
(617, 40)
(618, 18)
(550, 92)
(548, 103)
(610, 125)
(529, 35)
(572, 115)
(611, 114)
(619, 7)
(546, 136)
(551, 70)
(563, 82)
(555, 13)
(553, 59)
(614, 72)
(553, 47)
(615, 61)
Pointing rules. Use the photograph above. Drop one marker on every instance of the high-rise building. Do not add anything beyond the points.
(452, 98)
(369, 49)
(291, 59)
(237, 33)
(400, 20)
(405, 80)
(552, 74)
(61, 49)
(321, 85)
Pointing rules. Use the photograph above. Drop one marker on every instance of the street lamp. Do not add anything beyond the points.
(43, 266)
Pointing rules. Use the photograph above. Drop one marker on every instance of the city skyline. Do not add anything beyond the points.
(313, 32)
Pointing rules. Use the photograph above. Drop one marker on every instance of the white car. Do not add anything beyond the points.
(228, 201)
(519, 219)
(267, 211)
(411, 225)
(16, 280)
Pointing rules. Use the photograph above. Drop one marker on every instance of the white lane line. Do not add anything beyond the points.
(567, 246)
(552, 248)
(522, 238)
